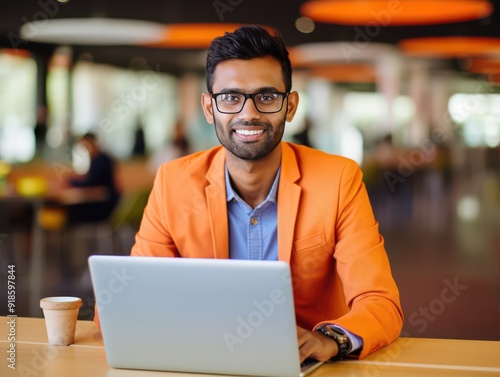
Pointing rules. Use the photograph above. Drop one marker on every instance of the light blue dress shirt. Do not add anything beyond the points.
(253, 233)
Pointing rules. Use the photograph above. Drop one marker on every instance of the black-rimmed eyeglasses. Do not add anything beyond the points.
(233, 103)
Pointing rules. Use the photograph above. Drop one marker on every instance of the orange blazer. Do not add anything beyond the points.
(326, 232)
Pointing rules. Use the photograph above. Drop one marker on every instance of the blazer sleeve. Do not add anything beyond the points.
(153, 237)
(372, 297)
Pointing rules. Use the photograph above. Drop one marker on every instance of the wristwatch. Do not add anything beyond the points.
(339, 337)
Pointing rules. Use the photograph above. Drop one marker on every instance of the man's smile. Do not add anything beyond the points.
(248, 135)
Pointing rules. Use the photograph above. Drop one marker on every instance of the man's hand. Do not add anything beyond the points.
(315, 345)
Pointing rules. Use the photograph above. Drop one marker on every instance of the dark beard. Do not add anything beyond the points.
(249, 152)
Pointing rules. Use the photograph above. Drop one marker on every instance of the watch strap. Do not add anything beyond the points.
(339, 337)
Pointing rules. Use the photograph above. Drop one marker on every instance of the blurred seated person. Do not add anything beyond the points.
(91, 197)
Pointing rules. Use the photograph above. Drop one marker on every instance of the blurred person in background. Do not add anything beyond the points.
(96, 192)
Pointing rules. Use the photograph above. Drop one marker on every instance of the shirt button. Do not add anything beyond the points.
(254, 221)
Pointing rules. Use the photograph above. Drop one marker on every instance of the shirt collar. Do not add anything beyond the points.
(231, 194)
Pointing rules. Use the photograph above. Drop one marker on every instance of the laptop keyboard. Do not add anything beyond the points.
(307, 363)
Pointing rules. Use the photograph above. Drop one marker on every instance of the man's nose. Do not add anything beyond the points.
(249, 111)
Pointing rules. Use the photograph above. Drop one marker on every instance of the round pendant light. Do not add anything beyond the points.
(484, 66)
(92, 31)
(346, 73)
(395, 13)
(450, 47)
(194, 35)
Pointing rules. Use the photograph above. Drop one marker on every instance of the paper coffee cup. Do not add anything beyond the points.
(61, 314)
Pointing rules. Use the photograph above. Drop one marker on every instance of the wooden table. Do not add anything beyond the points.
(87, 357)
(68, 196)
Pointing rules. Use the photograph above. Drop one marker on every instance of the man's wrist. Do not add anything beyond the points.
(339, 337)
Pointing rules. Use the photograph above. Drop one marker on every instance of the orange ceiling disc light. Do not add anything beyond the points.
(450, 47)
(493, 79)
(194, 35)
(489, 68)
(485, 66)
(346, 73)
(297, 58)
(16, 52)
(395, 13)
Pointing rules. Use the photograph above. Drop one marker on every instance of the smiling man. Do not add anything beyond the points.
(257, 197)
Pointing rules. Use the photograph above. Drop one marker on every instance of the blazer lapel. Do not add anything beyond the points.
(288, 202)
(215, 194)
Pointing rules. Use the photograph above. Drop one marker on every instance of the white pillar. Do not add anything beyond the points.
(388, 69)
(418, 87)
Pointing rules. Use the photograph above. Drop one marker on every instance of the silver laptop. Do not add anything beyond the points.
(197, 315)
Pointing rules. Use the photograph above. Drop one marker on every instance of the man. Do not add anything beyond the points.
(256, 197)
(97, 185)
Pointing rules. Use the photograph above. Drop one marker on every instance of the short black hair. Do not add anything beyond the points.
(248, 42)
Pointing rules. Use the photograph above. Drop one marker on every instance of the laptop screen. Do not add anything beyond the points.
(197, 315)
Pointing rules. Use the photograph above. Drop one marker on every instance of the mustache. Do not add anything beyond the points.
(254, 123)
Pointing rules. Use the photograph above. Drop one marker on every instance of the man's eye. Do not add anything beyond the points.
(230, 97)
(267, 97)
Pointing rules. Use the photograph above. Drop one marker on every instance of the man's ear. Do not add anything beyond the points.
(293, 103)
(207, 106)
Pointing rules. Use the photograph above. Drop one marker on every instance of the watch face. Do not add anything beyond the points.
(331, 333)
(343, 339)
(339, 337)
(335, 334)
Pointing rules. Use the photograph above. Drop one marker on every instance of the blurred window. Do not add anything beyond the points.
(113, 103)
(17, 106)
(478, 115)
(368, 112)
